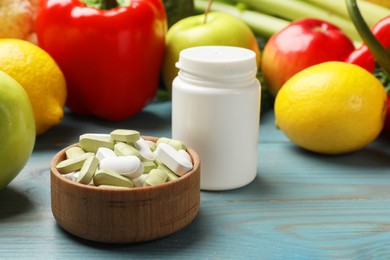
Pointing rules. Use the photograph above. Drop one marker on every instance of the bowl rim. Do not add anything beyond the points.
(56, 158)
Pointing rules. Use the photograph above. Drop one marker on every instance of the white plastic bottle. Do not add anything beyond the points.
(216, 111)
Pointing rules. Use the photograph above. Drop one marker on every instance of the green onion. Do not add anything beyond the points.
(295, 9)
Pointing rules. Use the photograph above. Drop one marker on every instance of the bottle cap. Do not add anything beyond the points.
(225, 63)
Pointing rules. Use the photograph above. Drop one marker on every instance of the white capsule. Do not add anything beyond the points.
(129, 166)
(143, 147)
(172, 159)
(104, 152)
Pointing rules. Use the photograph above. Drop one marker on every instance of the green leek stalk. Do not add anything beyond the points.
(371, 12)
(381, 55)
(296, 9)
(261, 24)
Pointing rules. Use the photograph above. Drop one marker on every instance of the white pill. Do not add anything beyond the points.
(139, 181)
(129, 166)
(138, 172)
(185, 155)
(71, 176)
(143, 147)
(152, 145)
(172, 159)
(104, 152)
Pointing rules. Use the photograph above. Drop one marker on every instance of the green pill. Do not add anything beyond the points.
(163, 167)
(107, 177)
(155, 177)
(171, 175)
(124, 135)
(157, 162)
(123, 149)
(92, 142)
(172, 142)
(148, 166)
(73, 164)
(73, 152)
(88, 170)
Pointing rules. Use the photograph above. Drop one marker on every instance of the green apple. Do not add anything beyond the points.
(17, 129)
(219, 29)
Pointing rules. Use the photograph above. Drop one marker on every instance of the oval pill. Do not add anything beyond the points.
(73, 164)
(104, 152)
(172, 142)
(92, 142)
(172, 159)
(148, 166)
(171, 175)
(144, 149)
(185, 155)
(135, 174)
(130, 166)
(155, 177)
(107, 177)
(74, 152)
(163, 167)
(124, 135)
(88, 170)
(123, 149)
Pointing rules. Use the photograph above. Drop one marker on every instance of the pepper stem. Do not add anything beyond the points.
(101, 4)
(381, 55)
(109, 4)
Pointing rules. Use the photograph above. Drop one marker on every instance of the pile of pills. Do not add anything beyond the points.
(123, 159)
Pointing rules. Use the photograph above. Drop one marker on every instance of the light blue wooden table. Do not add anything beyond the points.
(300, 206)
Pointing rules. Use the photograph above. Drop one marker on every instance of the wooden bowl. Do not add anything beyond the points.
(125, 216)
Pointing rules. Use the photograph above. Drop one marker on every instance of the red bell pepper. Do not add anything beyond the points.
(111, 59)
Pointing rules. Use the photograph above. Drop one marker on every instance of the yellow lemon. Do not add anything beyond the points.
(331, 108)
(40, 76)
